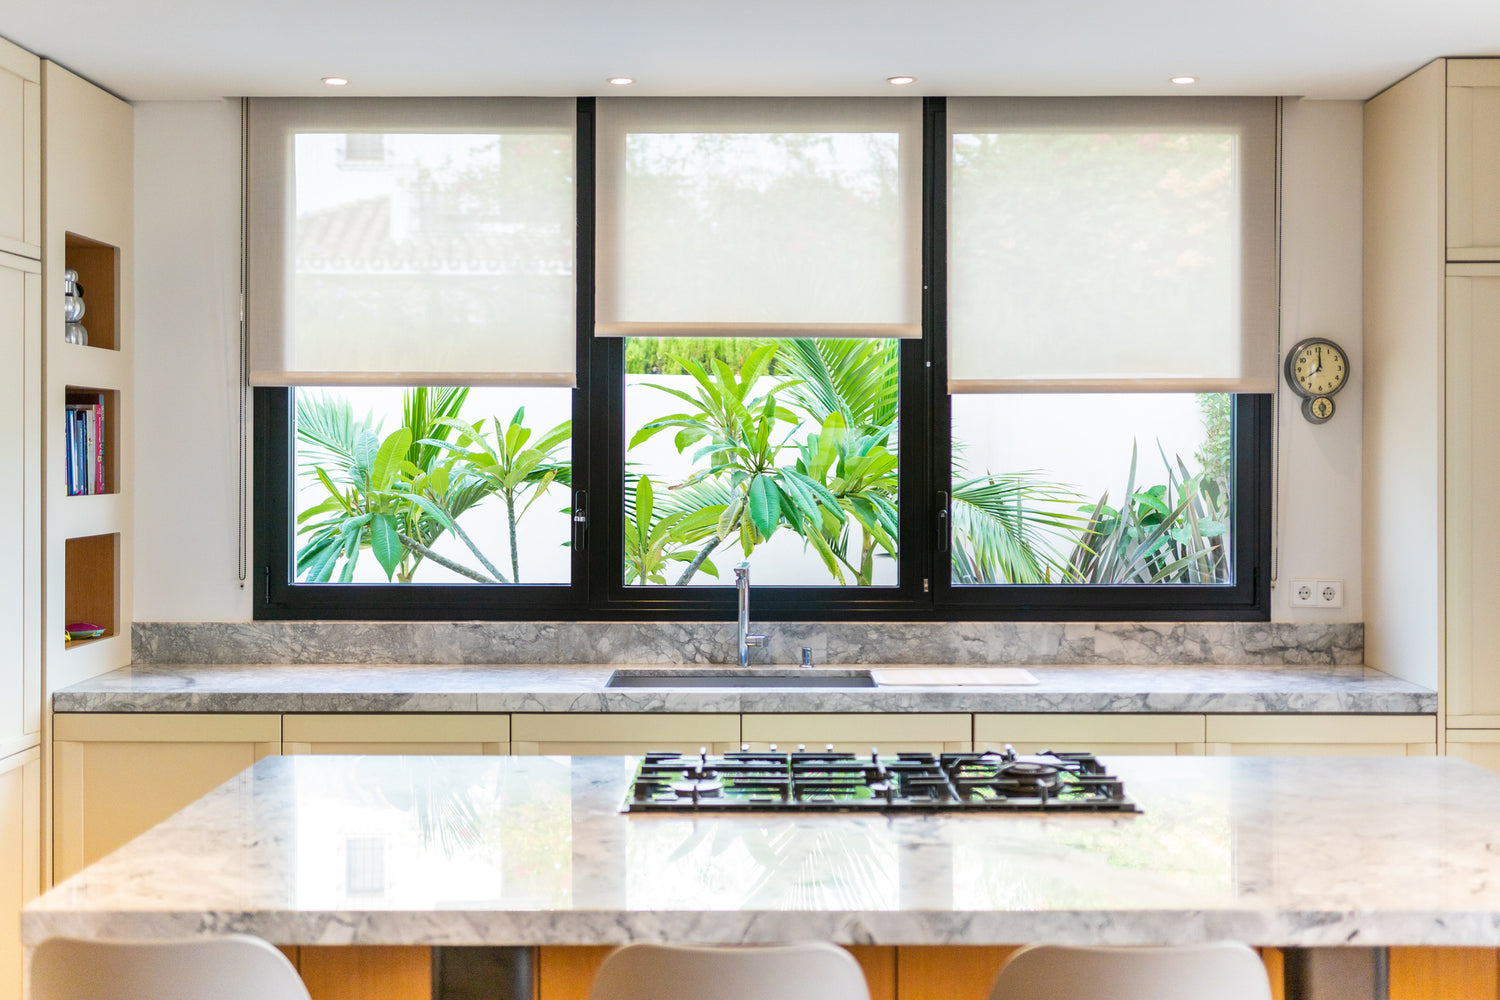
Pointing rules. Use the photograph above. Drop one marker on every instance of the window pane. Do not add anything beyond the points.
(783, 454)
(1092, 489)
(466, 485)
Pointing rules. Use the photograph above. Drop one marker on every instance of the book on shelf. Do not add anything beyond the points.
(83, 432)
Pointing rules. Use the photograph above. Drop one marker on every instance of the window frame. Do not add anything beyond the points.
(924, 591)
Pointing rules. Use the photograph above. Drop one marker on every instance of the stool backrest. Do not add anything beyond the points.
(815, 971)
(236, 967)
(1224, 970)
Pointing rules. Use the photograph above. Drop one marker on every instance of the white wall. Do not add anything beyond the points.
(1321, 296)
(187, 212)
(187, 362)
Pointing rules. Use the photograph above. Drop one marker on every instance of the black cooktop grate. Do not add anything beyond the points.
(909, 782)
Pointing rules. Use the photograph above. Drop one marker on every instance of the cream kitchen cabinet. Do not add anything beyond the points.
(894, 733)
(20, 501)
(1099, 733)
(20, 151)
(1479, 746)
(115, 776)
(1322, 735)
(396, 733)
(20, 857)
(1472, 484)
(584, 735)
(1473, 160)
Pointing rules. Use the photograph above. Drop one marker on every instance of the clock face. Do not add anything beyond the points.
(1317, 368)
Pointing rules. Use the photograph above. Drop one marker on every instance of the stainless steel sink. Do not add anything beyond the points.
(709, 677)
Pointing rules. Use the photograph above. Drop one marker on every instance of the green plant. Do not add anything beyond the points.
(1168, 533)
(652, 542)
(1004, 528)
(504, 463)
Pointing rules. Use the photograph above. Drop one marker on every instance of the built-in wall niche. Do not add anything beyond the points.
(98, 267)
(90, 441)
(92, 588)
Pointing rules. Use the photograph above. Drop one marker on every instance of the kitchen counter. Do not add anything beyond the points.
(1298, 688)
(516, 851)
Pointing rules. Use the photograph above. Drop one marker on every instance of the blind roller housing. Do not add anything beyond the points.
(759, 217)
(1111, 244)
(412, 241)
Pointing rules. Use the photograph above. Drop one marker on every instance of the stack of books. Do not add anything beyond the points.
(84, 429)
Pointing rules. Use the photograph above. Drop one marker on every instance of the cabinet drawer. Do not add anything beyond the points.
(1298, 735)
(932, 733)
(396, 733)
(585, 735)
(1100, 734)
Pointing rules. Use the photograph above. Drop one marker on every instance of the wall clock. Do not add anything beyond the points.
(1316, 368)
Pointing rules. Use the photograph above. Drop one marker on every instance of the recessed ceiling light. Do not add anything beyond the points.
(335, 81)
(900, 81)
(1183, 81)
(621, 81)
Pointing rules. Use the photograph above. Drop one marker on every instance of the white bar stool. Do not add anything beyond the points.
(772, 972)
(1224, 970)
(236, 967)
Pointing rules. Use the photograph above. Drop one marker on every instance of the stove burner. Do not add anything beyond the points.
(909, 782)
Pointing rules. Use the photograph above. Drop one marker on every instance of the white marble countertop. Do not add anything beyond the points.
(580, 688)
(533, 850)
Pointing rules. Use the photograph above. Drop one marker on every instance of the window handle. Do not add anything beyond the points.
(581, 520)
(942, 522)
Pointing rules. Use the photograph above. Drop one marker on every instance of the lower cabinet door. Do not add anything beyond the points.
(116, 776)
(396, 733)
(1155, 735)
(1322, 735)
(605, 734)
(1478, 746)
(861, 733)
(20, 857)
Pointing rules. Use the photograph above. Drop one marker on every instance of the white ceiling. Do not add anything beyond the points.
(148, 49)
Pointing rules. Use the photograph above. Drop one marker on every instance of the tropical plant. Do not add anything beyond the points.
(1004, 529)
(507, 467)
(1168, 533)
(392, 495)
(652, 542)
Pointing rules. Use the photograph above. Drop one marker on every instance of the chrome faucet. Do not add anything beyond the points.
(742, 584)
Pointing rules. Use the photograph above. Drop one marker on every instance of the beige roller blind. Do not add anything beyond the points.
(1111, 244)
(412, 242)
(759, 217)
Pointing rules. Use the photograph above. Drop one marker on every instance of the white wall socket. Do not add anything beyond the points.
(1302, 595)
(1329, 594)
(1317, 594)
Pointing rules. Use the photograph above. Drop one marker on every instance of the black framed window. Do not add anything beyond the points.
(602, 563)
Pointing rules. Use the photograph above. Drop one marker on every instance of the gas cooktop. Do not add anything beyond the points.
(908, 782)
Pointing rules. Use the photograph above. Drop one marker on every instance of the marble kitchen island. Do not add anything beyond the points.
(1284, 852)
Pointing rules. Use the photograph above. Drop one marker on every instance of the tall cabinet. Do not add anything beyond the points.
(1432, 371)
(20, 498)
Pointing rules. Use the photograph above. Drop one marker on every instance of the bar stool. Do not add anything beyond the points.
(235, 967)
(772, 972)
(1225, 970)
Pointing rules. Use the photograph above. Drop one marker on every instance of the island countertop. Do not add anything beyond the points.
(519, 851)
(1209, 688)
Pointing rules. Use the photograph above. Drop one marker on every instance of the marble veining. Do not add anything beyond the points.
(518, 851)
(580, 688)
(958, 643)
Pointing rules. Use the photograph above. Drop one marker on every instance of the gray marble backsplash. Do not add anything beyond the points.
(1129, 643)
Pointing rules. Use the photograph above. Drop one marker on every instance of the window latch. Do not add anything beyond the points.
(580, 520)
(942, 522)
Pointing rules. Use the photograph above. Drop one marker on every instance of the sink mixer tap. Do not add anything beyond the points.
(747, 639)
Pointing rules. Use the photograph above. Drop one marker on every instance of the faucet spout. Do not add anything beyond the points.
(746, 638)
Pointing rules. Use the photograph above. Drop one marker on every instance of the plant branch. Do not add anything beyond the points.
(463, 535)
(444, 561)
(703, 553)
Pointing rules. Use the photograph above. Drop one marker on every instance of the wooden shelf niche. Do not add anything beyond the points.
(86, 396)
(93, 584)
(98, 267)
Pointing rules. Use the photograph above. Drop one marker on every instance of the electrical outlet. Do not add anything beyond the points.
(1304, 594)
(1329, 594)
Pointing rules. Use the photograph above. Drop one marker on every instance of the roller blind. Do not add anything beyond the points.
(412, 242)
(759, 217)
(1111, 244)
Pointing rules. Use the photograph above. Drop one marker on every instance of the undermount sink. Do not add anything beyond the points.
(791, 677)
